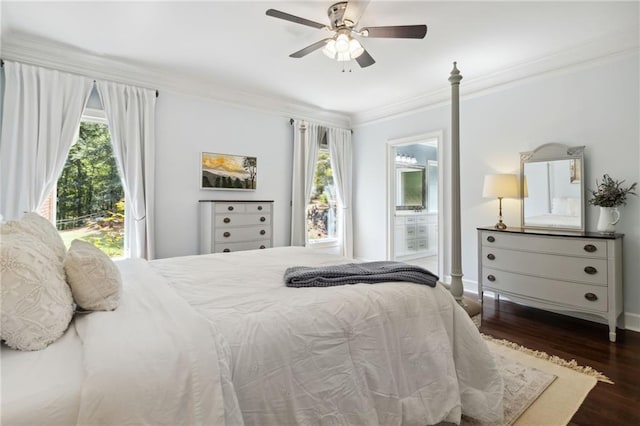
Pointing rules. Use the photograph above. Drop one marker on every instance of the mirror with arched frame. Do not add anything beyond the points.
(552, 187)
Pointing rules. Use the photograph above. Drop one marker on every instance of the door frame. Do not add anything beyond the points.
(444, 202)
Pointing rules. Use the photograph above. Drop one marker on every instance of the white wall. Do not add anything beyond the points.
(186, 126)
(596, 106)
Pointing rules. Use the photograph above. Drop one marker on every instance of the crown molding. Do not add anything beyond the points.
(48, 54)
(587, 55)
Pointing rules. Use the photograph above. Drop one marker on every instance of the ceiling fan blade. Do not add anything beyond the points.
(365, 60)
(293, 18)
(400, 31)
(315, 46)
(354, 10)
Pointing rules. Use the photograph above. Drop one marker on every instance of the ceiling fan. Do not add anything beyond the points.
(342, 45)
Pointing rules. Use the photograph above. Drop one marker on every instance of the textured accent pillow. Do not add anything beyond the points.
(94, 279)
(39, 227)
(37, 305)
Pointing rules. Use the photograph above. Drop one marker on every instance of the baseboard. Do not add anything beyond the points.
(632, 322)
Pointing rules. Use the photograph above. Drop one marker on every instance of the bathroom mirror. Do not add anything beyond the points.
(552, 187)
(410, 190)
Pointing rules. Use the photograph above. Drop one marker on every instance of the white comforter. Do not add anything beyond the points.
(385, 354)
(253, 351)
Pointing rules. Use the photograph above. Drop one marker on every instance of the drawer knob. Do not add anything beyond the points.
(491, 238)
(226, 251)
(262, 232)
(262, 247)
(262, 219)
(590, 248)
(259, 207)
(230, 208)
(491, 256)
(491, 278)
(590, 297)
(226, 220)
(590, 270)
(227, 234)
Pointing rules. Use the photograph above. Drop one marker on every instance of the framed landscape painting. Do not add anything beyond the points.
(225, 171)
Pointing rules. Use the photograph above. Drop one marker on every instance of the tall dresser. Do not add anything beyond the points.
(232, 225)
(578, 272)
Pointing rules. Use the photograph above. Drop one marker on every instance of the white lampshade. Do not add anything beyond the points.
(343, 57)
(502, 185)
(342, 43)
(329, 49)
(355, 48)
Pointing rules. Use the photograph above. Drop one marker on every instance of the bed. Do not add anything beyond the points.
(220, 340)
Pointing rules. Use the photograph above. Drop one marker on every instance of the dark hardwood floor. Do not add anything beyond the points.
(587, 343)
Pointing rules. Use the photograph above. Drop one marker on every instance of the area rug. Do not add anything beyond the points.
(539, 389)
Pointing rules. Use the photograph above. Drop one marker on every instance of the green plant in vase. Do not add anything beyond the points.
(609, 195)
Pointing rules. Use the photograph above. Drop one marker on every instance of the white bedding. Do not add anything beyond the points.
(233, 345)
(42, 387)
(385, 354)
(151, 361)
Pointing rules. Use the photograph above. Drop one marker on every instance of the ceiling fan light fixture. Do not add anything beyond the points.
(342, 43)
(343, 57)
(355, 48)
(329, 49)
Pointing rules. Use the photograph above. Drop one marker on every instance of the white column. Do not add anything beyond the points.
(456, 287)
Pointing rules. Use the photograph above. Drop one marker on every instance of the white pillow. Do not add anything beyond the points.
(37, 305)
(36, 225)
(94, 279)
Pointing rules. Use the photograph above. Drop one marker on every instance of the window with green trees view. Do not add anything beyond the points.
(90, 197)
(321, 210)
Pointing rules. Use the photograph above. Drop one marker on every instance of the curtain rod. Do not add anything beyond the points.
(157, 92)
(291, 123)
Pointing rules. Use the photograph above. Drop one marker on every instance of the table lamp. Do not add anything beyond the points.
(500, 186)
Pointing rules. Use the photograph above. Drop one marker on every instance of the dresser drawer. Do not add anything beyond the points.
(565, 246)
(242, 234)
(226, 220)
(229, 207)
(249, 245)
(579, 269)
(560, 293)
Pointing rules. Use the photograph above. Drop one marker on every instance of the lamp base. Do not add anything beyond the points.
(501, 225)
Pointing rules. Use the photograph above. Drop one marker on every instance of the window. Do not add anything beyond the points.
(89, 198)
(321, 210)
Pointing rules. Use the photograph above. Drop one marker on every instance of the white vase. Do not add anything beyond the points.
(609, 216)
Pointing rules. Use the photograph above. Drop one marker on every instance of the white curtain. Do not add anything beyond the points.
(130, 113)
(41, 117)
(306, 141)
(339, 141)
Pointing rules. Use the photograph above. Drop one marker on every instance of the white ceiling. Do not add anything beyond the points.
(235, 47)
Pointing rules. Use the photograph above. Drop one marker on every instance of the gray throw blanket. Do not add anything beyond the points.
(355, 273)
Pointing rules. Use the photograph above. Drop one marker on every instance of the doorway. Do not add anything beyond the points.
(415, 201)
